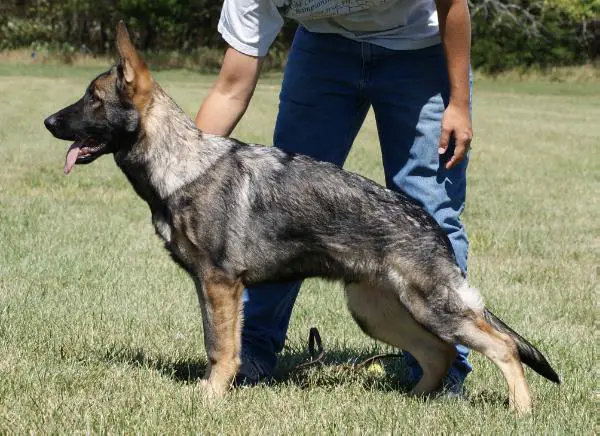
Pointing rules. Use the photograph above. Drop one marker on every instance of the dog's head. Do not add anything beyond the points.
(107, 117)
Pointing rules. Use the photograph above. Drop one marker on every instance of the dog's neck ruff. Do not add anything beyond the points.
(175, 152)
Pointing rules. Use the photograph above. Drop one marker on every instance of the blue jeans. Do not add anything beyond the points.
(328, 86)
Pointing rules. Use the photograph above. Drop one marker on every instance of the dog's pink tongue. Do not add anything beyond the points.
(71, 157)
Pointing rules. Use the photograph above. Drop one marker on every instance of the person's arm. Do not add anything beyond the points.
(229, 97)
(455, 31)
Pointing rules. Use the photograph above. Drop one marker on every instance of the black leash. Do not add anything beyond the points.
(315, 349)
(317, 354)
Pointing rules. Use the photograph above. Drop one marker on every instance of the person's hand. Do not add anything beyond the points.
(456, 123)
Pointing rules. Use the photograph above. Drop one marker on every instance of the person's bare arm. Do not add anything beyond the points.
(230, 95)
(455, 30)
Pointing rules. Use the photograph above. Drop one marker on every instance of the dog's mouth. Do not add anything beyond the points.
(83, 151)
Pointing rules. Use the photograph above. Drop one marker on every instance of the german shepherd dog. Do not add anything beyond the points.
(234, 214)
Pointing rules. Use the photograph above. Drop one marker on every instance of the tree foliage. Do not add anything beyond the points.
(158, 24)
(506, 33)
(521, 33)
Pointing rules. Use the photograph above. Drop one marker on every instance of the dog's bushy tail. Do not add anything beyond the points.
(528, 354)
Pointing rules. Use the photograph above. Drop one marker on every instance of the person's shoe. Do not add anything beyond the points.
(252, 371)
(452, 385)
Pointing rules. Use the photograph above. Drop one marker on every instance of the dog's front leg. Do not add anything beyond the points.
(221, 304)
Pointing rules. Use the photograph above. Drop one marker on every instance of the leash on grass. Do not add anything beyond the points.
(317, 354)
(315, 349)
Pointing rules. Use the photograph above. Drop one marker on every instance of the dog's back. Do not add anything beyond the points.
(294, 217)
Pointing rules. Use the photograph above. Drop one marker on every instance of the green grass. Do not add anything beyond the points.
(101, 332)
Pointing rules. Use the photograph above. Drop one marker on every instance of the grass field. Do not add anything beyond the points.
(101, 332)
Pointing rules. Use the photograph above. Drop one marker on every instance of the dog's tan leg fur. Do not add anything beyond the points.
(380, 314)
(221, 301)
(434, 365)
(502, 351)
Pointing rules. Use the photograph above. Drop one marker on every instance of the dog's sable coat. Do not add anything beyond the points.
(233, 214)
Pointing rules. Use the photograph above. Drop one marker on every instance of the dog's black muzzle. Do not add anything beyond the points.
(60, 123)
(54, 124)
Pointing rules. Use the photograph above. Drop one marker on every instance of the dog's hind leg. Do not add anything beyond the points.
(379, 313)
(435, 365)
(501, 349)
(455, 314)
(221, 303)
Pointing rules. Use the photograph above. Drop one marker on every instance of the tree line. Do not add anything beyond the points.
(506, 33)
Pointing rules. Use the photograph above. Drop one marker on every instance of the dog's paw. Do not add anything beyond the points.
(520, 409)
(210, 390)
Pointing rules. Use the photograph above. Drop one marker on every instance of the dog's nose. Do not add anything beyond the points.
(50, 122)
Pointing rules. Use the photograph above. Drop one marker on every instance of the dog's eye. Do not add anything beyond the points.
(94, 100)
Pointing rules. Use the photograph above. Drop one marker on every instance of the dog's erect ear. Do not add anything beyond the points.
(134, 71)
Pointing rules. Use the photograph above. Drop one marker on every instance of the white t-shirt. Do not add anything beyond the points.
(250, 26)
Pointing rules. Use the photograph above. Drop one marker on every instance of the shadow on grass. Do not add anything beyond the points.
(341, 366)
(182, 371)
(338, 368)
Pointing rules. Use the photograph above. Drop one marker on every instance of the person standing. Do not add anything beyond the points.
(407, 59)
